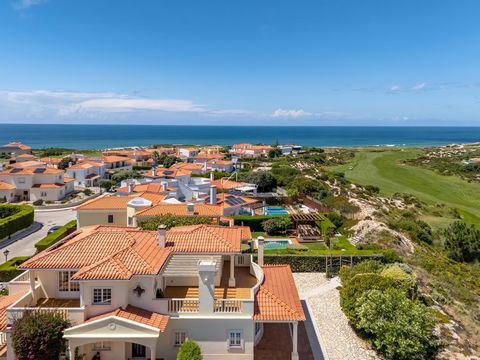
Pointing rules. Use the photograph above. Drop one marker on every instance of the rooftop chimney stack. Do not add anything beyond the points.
(213, 194)
(260, 243)
(162, 235)
(190, 209)
(212, 176)
(130, 187)
(154, 171)
(164, 185)
(206, 285)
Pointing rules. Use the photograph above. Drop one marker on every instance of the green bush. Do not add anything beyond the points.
(38, 202)
(189, 350)
(39, 336)
(56, 236)
(255, 222)
(21, 217)
(8, 270)
(400, 328)
(298, 247)
(462, 242)
(171, 221)
(278, 225)
(87, 192)
(335, 218)
(365, 267)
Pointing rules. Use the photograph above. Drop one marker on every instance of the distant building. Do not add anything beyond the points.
(15, 148)
(250, 150)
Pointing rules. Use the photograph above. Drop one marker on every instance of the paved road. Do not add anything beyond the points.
(25, 246)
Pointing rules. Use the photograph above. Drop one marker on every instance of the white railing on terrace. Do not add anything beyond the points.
(256, 271)
(3, 337)
(228, 306)
(23, 277)
(183, 306)
(75, 315)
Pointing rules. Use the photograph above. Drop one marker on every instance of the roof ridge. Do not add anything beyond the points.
(110, 257)
(221, 238)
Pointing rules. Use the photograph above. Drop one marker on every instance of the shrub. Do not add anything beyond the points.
(17, 217)
(399, 328)
(365, 267)
(189, 350)
(298, 247)
(106, 184)
(38, 202)
(462, 242)
(335, 218)
(8, 270)
(255, 222)
(171, 221)
(278, 225)
(56, 236)
(87, 192)
(39, 336)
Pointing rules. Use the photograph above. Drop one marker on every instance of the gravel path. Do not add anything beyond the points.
(338, 339)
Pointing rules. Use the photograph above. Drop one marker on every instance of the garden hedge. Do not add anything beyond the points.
(56, 236)
(254, 222)
(311, 263)
(18, 217)
(8, 270)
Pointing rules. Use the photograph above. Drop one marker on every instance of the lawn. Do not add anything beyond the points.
(385, 170)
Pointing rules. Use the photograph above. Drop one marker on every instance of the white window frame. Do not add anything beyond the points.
(102, 346)
(102, 290)
(179, 332)
(71, 285)
(237, 344)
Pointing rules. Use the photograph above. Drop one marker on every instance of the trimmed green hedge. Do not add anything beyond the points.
(56, 236)
(311, 263)
(19, 217)
(254, 222)
(8, 270)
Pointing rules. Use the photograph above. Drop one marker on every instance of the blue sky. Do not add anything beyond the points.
(252, 62)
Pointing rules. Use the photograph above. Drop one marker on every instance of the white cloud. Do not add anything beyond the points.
(419, 86)
(395, 88)
(291, 113)
(25, 4)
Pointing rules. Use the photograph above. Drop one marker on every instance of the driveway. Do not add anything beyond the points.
(48, 218)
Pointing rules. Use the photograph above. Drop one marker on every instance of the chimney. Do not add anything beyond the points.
(260, 243)
(206, 285)
(130, 187)
(164, 185)
(154, 171)
(213, 194)
(205, 167)
(190, 209)
(162, 235)
(212, 176)
(70, 164)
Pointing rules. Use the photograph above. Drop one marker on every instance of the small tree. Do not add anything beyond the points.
(277, 225)
(189, 350)
(462, 242)
(106, 184)
(39, 336)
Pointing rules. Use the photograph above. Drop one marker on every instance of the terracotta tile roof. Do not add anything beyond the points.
(117, 253)
(219, 162)
(47, 186)
(136, 314)
(112, 159)
(106, 203)
(5, 302)
(186, 166)
(208, 156)
(148, 187)
(51, 160)
(277, 298)
(181, 210)
(6, 186)
(17, 145)
(155, 198)
(31, 171)
(82, 166)
(25, 156)
(226, 184)
(27, 164)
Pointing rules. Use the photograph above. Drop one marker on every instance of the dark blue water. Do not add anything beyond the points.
(107, 136)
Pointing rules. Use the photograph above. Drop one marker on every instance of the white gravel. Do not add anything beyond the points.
(338, 339)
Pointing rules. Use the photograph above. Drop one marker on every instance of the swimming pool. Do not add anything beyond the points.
(276, 244)
(275, 210)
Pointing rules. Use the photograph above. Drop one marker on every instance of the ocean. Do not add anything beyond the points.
(111, 136)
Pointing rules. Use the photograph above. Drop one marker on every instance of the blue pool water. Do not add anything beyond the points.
(271, 210)
(276, 244)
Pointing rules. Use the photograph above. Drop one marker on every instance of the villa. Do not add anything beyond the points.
(250, 150)
(34, 183)
(87, 172)
(15, 148)
(134, 294)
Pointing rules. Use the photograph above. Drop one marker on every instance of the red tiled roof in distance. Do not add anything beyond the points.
(277, 298)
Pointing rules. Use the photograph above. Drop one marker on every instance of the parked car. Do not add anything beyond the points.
(53, 229)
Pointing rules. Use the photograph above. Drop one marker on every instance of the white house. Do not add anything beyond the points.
(134, 294)
(87, 172)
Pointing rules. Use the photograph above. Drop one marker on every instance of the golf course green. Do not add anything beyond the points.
(386, 170)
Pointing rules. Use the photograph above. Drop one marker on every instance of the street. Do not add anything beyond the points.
(49, 218)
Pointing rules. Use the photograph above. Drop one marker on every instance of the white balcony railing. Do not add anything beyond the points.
(179, 306)
(228, 306)
(74, 315)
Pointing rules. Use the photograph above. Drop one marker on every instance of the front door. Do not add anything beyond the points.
(139, 351)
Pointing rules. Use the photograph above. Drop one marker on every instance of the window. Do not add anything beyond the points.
(235, 340)
(43, 194)
(102, 346)
(110, 219)
(130, 221)
(21, 180)
(65, 283)
(102, 296)
(179, 337)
